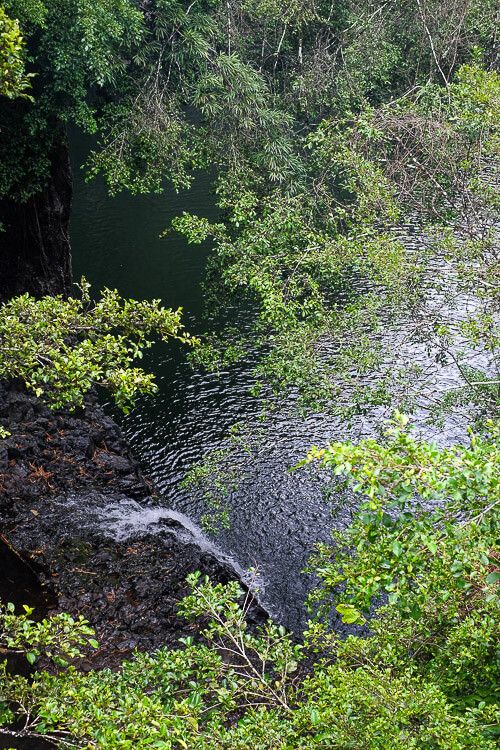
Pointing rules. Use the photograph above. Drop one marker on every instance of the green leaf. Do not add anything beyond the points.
(493, 577)
(396, 548)
(350, 614)
(315, 716)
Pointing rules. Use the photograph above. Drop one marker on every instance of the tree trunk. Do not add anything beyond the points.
(35, 253)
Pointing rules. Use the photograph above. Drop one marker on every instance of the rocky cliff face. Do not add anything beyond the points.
(35, 254)
(62, 479)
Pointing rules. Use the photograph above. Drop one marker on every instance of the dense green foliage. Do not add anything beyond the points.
(406, 547)
(424, 677)
(256, 73)
(71, 47)
(13, 79)
(61, 348)
(326, 122)
(321, 266)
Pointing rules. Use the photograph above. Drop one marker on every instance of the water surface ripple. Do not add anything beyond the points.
(276, 516)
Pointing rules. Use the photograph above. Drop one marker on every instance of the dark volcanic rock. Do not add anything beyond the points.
(67, 485)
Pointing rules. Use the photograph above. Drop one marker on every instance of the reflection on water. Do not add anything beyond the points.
(276, 516)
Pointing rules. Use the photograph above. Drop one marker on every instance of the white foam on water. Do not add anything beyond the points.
(127, 519)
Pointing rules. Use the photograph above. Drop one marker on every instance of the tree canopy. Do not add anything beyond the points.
(172, 85)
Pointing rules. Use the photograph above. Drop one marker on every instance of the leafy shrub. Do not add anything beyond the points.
(14, 82)
(62, 347)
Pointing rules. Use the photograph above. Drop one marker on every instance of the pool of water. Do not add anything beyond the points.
(276, 516)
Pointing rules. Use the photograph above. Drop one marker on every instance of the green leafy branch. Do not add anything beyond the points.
(61, 348)
(425, 529)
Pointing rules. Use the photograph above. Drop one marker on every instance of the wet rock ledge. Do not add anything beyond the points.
(62, 476)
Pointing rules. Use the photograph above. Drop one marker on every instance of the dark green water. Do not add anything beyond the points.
(116, 240)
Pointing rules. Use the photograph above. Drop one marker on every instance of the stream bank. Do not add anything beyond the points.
(60, 474)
